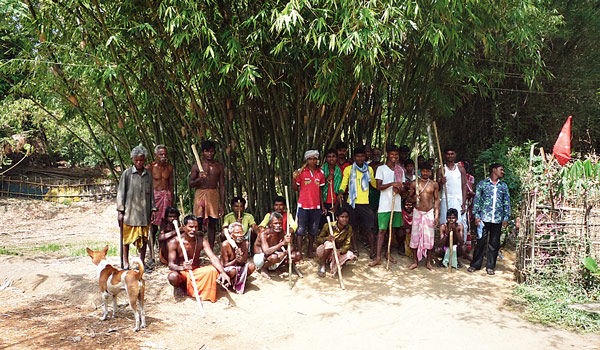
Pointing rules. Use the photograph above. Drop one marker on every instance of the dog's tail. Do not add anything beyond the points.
(140, 265)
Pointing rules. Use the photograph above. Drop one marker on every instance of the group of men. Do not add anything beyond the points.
(338, 202)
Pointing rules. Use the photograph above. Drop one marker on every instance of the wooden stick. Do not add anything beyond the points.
(229, 239)
(451, 238)
(287, 232)
(337, 260)
(121, 244)
(182, 207)
(197, 158)
(417, 173)
(389, 247)
(185, 257)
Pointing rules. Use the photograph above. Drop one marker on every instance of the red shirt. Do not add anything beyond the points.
(310, 184)
(346, 164)
(331, 195)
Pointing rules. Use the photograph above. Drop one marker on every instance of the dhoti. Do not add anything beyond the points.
(206, 203)
(349, 255)
(422, 232)
(162, 199)
(239, 280)
(138, 235)
(206, 280)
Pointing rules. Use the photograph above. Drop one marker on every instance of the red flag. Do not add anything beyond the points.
(562, 147)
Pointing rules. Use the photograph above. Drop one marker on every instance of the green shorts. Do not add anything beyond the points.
(383, 220)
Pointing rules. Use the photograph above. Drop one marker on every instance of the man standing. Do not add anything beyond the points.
(425, 216)
(333, 174)
(180, 275)
(492, 206)
(357, 179)
(390, 187)
(309, 182)
(162, 182)
(455, 181)
(135, 204)
(209, 204)
(342, 149)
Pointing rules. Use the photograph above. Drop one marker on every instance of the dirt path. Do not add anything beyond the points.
(49, 299)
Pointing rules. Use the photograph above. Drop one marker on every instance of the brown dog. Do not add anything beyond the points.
(112, 281)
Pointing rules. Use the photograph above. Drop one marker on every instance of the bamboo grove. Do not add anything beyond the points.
(265, 79)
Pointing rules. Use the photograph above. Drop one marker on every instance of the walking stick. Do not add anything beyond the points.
(335, 255)
(121, 243)
(389, 248)
(185, 256)
(417, 173)
(451, 238)
(287, 232)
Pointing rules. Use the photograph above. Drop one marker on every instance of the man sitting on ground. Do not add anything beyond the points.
(270, 247)
(452, 226)
(342, 234)
(205, 276)
(234, 257)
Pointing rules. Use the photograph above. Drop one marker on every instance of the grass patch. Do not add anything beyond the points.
(6, 251)
(112, 251)
(547, 301)
(49, 248)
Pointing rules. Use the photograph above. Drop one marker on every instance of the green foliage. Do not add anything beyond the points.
(516, 162)
(591, 265)
(7, 251)
(581, 177)
(49, 248)
(548, 300)
(112, 251)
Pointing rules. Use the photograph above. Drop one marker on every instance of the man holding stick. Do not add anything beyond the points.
(135, 205)
(456, 229)
(342, 235)
(209, 203)
(162, 182)
(357, 179)
(269, 249)
(454, 177)
(234, 256)
(389, 213)
(425, 216)
(333, 174)
(280, 207)
(182, 271)
(309, 182)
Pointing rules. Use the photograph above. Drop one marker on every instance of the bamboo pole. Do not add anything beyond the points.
(389, 247)
(287, 232)
(185, 257)
(335, 255)
(451, 237)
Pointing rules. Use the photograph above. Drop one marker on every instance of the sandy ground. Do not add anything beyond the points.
(50, 299)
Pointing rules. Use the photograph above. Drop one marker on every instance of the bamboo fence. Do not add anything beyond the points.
(52, 188)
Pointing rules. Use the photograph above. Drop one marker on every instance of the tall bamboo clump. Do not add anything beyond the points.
(560, 217)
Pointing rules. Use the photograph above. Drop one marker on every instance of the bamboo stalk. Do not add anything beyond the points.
(287, 232)
(335, 255)
(450, 237)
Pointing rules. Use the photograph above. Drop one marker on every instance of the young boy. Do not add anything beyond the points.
(456, 229)
(405, 230)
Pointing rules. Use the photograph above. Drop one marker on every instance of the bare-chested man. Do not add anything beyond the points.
(162, 182)
(269, 249)
(425, 216)
(209, 202)
(234, 257)
(206, 276)
(456, 229)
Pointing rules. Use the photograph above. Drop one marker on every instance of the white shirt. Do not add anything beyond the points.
(386, 175)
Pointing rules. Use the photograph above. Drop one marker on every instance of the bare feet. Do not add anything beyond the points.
(375, 263)
(413, 266)
(392, 260)
(265, 274)
(430, 267)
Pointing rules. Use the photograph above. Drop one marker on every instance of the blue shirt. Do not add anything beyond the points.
(492, 202)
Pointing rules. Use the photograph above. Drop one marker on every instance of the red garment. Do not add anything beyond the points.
(562, 147)
(331, 195)
(310, 188)
(346, 164)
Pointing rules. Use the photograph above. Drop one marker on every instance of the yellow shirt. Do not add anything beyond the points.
(362, 197)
